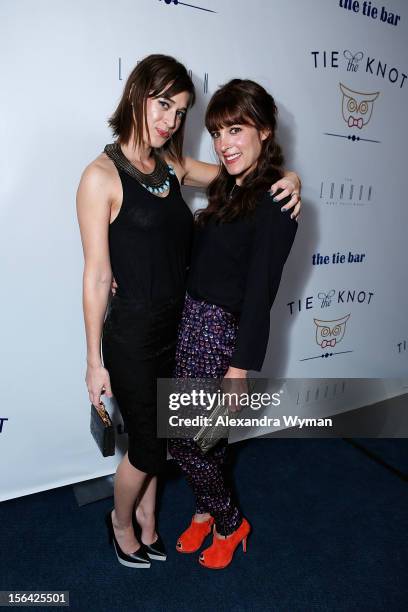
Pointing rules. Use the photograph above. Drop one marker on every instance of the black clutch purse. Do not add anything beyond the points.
(102, 430)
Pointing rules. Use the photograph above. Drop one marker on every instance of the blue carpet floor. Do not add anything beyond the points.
(330, 532)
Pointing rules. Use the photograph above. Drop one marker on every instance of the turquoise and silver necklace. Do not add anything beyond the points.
(156, 182)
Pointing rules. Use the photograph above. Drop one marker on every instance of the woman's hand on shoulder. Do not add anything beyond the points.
(290, 185)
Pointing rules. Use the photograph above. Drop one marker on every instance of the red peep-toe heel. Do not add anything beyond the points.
(193, 537)
(221, 551)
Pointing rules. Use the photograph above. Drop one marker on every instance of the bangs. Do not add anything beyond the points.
(224, 112)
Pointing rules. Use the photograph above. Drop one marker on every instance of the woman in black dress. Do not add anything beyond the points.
(135, 225)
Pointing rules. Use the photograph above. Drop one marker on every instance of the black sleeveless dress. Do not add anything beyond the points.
(150, 245)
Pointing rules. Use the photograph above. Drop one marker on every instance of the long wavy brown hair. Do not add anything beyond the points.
(247, 103)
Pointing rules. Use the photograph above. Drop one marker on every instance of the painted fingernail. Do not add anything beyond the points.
(275, 200)
(284, 209)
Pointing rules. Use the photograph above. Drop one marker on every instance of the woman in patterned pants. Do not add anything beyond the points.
(204, 350)
(240, 247)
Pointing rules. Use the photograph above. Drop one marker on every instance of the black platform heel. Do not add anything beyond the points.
(138, 559)
(157, 550)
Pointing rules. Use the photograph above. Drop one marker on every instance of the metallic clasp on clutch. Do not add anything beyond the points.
(103, 413)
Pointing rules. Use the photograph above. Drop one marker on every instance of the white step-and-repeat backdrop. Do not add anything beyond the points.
(338, 71)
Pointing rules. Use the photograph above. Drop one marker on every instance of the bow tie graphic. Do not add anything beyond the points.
(355, 122)
(331, 342)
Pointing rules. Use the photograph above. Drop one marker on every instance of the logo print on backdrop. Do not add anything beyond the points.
(329, 332)
(357, 109)
(402, 346)
(346, 192)
(204, 82)
(333, 296)
(329, 60)
(353, 61)
(386, 16)
(328, 335)
(326, 298)
(193, 6)
(2, 419)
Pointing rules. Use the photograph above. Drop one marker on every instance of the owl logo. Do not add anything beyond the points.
(330, 333)
(357, 107)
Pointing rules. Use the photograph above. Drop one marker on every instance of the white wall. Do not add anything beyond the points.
(60, 81)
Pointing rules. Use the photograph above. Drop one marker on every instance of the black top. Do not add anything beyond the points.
(238, 266)
(150, 242)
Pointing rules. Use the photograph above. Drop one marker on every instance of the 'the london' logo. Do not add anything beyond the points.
(201, 82)
(346, 192)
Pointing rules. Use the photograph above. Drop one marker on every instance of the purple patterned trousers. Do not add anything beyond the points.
(205, 345)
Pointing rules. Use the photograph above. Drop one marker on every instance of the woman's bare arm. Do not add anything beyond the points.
(200, 174)
(93, 208)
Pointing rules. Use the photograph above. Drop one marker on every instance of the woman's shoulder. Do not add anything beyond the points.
(101, 168)
(100, 178)
(100, 173)
(268, 211)
(267, 197)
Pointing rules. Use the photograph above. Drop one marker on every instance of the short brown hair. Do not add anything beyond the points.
(155, 75)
